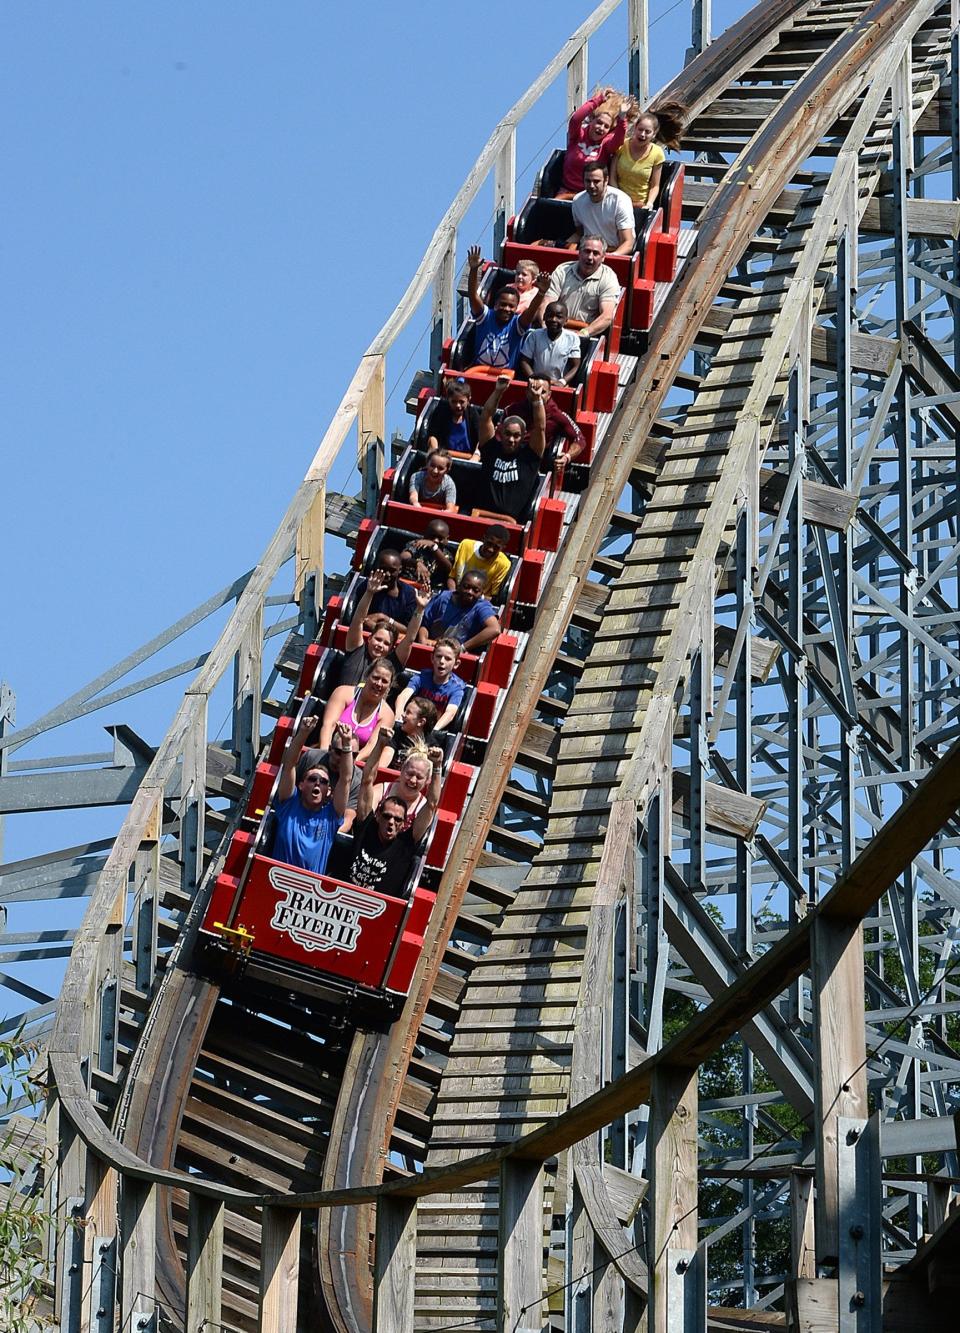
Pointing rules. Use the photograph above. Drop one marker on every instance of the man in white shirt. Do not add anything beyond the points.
(600, 209)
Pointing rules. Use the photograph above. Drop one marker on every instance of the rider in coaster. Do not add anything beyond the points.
(383, 637)
(485, 557)
(308, 814)
(499, 332)
(600, 209)
(565, 440)
(509, 462)
(553, 352)
(393, 598)
(587, 287)
(425, 558)
(438, 682)
(433, 485)
(594, 133)
(361, 710)
(384, 849)
(464, 615)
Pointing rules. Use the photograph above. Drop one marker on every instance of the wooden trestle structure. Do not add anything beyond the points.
(681, 1050)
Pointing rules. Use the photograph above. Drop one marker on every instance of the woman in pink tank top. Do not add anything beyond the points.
(363, 710)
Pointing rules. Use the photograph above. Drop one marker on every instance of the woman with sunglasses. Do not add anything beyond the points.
(308, 813)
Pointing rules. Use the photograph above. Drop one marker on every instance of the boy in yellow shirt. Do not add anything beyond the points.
(484, 557)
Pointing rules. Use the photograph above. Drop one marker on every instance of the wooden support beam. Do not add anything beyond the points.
(813, 1306)
(875, 355)
(577, 79)
(204, 1263)
(394, 1288)
(138, 1255)
(100, 1240)
(279, 1269)
(763, 652)
(672, 1162)
(840, 1060)
(520, 1257)
(309, 547)
(802, 1257)
(925, 217)
(829, 506)
(727, 811)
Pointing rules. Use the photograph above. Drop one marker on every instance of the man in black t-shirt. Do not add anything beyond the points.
(383, 851)
(509, 463)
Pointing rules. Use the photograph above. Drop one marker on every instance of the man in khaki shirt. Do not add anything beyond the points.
(588, 289)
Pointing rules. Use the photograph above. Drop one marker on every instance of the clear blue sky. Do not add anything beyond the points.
(209, 210)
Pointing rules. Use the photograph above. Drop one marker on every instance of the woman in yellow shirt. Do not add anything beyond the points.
(637, 165)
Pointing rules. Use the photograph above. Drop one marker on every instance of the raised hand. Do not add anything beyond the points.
(435, 755)
(474, 256)
(307, 725)
(542, 281)
(423, 592)
(378, 580)
(343, 738)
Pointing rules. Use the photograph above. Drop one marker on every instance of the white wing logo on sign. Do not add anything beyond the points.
(320, 918)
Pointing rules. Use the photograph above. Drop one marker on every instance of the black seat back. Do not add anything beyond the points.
(463, 354)
(550, 177)
(543, 219)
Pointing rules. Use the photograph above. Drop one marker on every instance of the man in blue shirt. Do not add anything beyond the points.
(308, 814)
(500, 331)
(392, 598)
(464, 615)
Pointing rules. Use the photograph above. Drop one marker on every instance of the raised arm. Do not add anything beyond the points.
(333, 712)
(375, 582)
(424, 818)
(343, 743)
(532, 312)
(581, 113)
(365, 797)
(402, 650)
(403, 698)
(537, 438)
(474, 260)
(486, 429)
(288, 767)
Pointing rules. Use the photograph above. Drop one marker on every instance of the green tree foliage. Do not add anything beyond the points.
(23, 1221)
